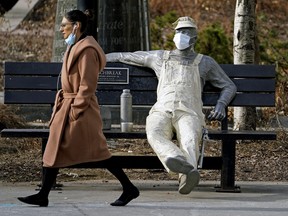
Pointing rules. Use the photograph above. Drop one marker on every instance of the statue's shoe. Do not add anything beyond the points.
(189, 181)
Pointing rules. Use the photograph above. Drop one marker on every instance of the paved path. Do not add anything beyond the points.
(157, 198)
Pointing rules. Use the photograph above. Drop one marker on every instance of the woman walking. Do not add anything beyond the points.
(76, 127)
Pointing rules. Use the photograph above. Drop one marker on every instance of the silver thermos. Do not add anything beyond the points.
(126, 111)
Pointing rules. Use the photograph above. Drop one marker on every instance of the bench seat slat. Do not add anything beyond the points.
(146, 162)
(213, 134)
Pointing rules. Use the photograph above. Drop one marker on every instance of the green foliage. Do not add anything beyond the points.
(274, 51)
(211, 41)
(214, 42)
(162, 32)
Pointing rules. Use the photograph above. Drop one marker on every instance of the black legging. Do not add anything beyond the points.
(50, 175)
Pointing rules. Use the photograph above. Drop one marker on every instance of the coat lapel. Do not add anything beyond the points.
(67, 63)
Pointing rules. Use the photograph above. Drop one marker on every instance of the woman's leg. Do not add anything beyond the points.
(50, 175)
(130, 191)
(41, 198)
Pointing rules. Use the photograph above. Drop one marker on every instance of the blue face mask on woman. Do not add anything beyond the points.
(71, 39)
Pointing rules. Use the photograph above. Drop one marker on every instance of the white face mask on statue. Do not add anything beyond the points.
(182, 41)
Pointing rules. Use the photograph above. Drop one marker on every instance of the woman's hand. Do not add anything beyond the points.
(72, 115)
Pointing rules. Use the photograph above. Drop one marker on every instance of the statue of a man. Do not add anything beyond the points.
(181, 74)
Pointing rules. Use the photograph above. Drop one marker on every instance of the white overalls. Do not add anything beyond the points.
(178, 109)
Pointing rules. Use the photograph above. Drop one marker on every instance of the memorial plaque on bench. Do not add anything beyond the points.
(114, 75)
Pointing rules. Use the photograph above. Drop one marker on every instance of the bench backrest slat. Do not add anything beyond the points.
(29, 97)
(139, 98)
(36, 83)
(54, 68)
(30, 83)
(136, 84)
(255, 85)
(249, 71)
(32, 68)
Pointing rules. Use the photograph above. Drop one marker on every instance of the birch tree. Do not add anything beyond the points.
(244, 49)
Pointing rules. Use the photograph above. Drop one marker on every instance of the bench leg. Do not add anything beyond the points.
(228, 167)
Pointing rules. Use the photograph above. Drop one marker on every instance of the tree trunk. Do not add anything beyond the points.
(244, 53)
(59, 46)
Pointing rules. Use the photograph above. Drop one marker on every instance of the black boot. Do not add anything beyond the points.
(126, 197)
(130, 192)
(35, 199)
(41, 198)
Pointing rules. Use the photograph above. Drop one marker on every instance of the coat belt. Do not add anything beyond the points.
(67, 95)
(59, 96)
(63, 95)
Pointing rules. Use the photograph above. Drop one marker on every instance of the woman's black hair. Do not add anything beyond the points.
(79, 16)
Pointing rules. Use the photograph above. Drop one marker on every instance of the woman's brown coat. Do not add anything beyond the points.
(76, 127)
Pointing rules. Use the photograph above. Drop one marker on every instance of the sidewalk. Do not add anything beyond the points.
(157, 198)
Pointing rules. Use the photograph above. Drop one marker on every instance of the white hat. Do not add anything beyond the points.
(185, 22)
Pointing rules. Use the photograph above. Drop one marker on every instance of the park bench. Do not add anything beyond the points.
(36, 83)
